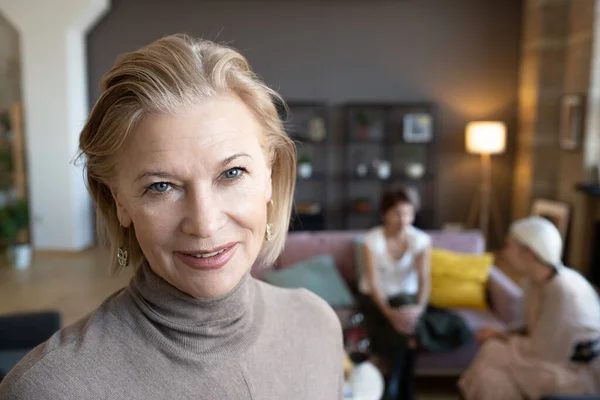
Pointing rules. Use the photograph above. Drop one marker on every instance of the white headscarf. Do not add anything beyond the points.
(541, 236)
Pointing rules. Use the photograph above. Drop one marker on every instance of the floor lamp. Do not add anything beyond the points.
(485, 138)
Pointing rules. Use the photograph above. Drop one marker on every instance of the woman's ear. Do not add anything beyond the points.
(122, 213)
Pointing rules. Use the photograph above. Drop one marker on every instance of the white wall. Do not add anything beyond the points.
(55, 97)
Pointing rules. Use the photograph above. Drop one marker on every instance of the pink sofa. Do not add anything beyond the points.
(504, 295)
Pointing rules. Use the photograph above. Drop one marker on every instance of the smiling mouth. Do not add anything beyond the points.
(211, 259)
(206, 255)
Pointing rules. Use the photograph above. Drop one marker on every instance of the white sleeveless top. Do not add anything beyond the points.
(399, 276)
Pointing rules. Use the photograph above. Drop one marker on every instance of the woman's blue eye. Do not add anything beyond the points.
(233, 173)
(160, 187)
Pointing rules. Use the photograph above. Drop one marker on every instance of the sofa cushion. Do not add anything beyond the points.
(301, 246)
(459, 279)
(319, 275)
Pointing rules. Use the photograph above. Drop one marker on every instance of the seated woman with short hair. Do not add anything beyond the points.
(560, 352)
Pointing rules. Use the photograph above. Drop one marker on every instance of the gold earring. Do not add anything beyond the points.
(269, 232)
(122, 257)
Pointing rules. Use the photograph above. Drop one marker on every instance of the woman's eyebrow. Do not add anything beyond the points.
(162, 174)
(233, 157)
(157, 174)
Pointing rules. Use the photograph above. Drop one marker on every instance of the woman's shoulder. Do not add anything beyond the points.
(40, 374)
(419, 238)
(51, 369)
(374, 235)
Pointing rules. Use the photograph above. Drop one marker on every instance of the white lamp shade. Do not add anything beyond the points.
(486, 137)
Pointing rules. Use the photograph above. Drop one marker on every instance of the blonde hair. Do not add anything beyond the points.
(170, 74)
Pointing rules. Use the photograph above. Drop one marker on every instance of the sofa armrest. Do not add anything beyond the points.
(506, 297)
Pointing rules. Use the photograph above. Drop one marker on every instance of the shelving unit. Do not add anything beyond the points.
(388, 139)
(308, 124)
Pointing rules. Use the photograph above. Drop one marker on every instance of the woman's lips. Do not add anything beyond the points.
(208, 261)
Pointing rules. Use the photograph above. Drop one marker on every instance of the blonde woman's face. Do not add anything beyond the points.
(195, 186)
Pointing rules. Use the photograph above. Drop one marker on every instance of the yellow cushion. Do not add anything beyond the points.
(458, 280)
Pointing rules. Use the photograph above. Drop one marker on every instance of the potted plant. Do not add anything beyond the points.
(304, 167)
(362, 205)
(14, 218)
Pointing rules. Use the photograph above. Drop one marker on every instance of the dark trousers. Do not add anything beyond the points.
(394, 347)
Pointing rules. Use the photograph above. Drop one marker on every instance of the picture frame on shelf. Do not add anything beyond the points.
(572, 121)
(557, 212)
(417, 128)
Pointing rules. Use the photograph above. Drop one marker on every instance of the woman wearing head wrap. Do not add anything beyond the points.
(559, 354)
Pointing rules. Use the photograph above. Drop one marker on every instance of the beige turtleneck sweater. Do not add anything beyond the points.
(152, 341)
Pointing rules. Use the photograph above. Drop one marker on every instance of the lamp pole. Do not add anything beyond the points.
(486, 189)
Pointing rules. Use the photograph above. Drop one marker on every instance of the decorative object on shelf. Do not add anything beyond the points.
(316, 129)
(305, 169)
(308, 208)
(414, 170)
(572, 119)
(362, 170)
(363, 122)
(417, 128)
(362, 205)
(557, 212)
(486, 138)
(383, 169)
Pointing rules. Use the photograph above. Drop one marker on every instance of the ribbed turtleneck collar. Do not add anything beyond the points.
(221, 326)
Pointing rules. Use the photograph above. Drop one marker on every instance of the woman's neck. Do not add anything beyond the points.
(541, 274)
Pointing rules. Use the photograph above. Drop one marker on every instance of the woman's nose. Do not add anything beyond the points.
(203, 214)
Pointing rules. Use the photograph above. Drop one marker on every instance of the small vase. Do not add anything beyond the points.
(305, 170)
(316, 129)
(20, 256)
(384, 170)
(362, 170)
(415, 170)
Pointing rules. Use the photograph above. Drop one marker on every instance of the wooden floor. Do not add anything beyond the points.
(72, 283)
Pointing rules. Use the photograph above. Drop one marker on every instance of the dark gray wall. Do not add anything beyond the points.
(459, 54)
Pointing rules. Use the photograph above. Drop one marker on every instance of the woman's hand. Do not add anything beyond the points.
(404, 319)
(484, 334)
